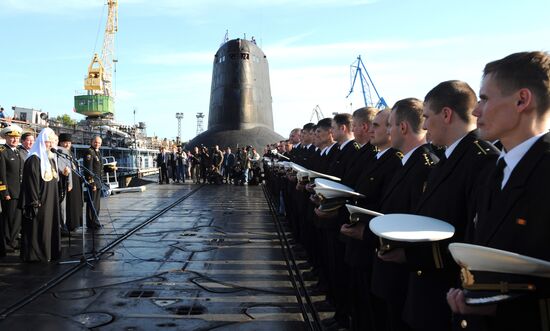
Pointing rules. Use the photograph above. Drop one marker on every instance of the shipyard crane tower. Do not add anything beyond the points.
(358, 70)
(98, 102)
(317, 113)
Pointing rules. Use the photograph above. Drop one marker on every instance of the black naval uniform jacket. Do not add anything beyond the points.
(365, 156)
(450, 197)
(371, 183)
(295, 152)
(345, 156)
(325, 161)
(11, 172)
(518, 220)
(92, 161)
(308, 153)
(401, 195)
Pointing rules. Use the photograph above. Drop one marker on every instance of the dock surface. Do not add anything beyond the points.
(174, 257)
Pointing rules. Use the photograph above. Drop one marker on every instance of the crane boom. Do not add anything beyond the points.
(358, 70)
(99, 98)
(107, 53)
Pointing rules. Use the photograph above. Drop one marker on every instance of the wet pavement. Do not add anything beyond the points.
(213, 261)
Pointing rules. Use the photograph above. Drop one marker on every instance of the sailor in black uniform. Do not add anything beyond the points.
(449, 196)
(11, 172)
(513, 211)
(400, 195)
(93, 173)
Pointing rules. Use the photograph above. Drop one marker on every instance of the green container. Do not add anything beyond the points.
(94, 105)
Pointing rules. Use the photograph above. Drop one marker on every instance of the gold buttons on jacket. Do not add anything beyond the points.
(419, 273)
(464, 324)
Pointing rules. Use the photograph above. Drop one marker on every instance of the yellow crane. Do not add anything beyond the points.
(99, 98)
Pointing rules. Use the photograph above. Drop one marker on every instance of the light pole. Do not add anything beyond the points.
(179, 116)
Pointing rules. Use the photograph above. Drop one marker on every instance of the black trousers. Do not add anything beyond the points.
(11, 221)
(163, 174)
(93, 202)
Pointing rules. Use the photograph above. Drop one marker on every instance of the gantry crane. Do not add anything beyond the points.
(317, 113)
(357, 69)
(99, 98)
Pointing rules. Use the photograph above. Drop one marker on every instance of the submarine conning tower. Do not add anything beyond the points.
(240, 96)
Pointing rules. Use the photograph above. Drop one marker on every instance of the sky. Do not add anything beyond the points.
(165, 50)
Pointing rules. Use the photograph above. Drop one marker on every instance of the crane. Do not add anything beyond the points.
(317, 113)
(99, 98)
(357, 69)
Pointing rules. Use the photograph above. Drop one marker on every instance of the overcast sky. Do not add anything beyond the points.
(165, 50)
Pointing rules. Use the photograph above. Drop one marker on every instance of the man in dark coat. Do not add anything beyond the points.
(513, 212)
(449, 196)
(359, 250)
(93, 170)
(162, 164)
(74, 200)
(11, 172)
(401, 195)
(228, 164)
(27, 140)
(41, 240)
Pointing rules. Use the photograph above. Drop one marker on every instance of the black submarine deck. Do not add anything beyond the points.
(174, 257)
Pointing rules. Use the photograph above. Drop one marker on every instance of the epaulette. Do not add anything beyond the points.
(427, 159)
(356, 145)
(480, 148)
(2, 148)
(399, 155)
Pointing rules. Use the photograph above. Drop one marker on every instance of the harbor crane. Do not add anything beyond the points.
(98, 102)
(358, 70)
(317, 113)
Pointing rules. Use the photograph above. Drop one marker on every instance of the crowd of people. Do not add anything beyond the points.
(204, 165)
(482, 166)
(41, 186)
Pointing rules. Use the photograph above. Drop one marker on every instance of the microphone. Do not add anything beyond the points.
(58, 152)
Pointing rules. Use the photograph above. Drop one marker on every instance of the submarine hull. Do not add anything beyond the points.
(240, 98)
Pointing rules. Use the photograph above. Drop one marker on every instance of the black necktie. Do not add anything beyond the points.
(499, 173)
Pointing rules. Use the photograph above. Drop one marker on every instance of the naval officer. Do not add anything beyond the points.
(449, 196)
(11, 172)
(94, 172)
(401, 195)
(514, 212)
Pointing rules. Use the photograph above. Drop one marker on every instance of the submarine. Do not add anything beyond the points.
(240, 112)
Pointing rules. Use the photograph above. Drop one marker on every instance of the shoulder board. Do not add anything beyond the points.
(428, 159)
(356, 145)
(481, 150)
(2, 148)
(399, 155)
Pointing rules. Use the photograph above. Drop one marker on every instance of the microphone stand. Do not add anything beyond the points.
(83, 259)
